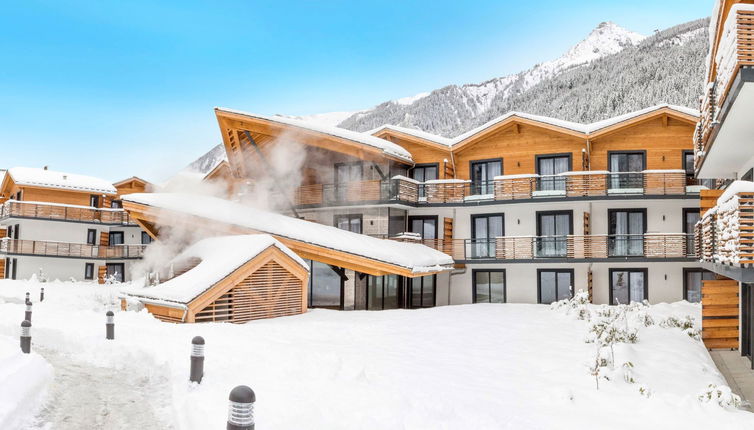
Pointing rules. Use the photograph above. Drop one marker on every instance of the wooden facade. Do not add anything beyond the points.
(720, 316)
(132, 185)
(270, 285)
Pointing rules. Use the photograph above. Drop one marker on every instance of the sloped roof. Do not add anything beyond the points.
(37, 177)
(220, 256)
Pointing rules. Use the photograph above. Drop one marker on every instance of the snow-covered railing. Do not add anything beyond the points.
(726, 232)
(57, 211)
(649, 245)
(66, 249)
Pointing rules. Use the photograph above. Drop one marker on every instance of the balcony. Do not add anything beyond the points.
(503, 188)
(619, 247)
(50, 211)
(69, 250)
(731, 68)
(725, 234)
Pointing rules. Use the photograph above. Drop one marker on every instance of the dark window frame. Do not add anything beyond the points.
(423, 166)
(310, 287)
(539, 215)
(643, 153)
(748, 176)
(410, 282)
(400, 282)
(116, 204)
(110, 235)
(350, 217)
(611, 229)
(93, 233)
(94, 200)
(473, 284)
(88, 268)
(539, 281)
(687, 270)
(346, 163)
(122, 271)
(484, 161)
(538, 157)
(683, 221)
(644, 270)
(143, 235)
(424, 217)
(486, 215)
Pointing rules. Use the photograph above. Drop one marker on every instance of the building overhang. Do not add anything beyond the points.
(739, 273)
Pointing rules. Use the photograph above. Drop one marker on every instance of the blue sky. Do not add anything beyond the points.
(115, 89)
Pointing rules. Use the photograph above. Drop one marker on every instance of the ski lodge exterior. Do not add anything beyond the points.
(724, 150)
(61, 225)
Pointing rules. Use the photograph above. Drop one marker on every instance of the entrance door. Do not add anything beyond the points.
(626, 232)
(553, 229)
(345, 173)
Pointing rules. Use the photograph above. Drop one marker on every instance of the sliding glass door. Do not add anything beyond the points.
(549, 165)
(422, 173)
(625, 170)
(484, 229)
(383, 292)
(422, 292)
(555, 284)
(325, 287)
(626, 232)
(628, 285)
(553, 229)
(344, 174)
(482, 174)
(489, 286)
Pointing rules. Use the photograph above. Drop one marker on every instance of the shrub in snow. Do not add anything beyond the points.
(579, 305)
(628, 373)
(644, 391)
(41, 276)
(686, 324)
(112, 279)
(645, 318)
(722, 395)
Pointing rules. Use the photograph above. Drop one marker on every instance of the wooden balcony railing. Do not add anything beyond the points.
(65, 249)
(650, 245)
(63, 212)
(735, 50)
(725, 234)
(503, 188)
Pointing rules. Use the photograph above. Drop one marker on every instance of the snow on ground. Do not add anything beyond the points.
(483, 366)
(24, 379)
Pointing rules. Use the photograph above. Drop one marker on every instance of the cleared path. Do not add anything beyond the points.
(738, 372)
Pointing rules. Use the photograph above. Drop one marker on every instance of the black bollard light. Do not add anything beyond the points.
(241, 408)
(26, 337)
(27, 297)
(42, 294)
(110, 326)
(197, 359)
(27, 317)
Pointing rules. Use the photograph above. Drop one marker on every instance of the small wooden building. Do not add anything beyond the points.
(228, 279)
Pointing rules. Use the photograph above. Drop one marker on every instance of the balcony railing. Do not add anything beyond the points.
(66, 249)
(725, 234)
(649, 245)
(13, 208)
(503, 188)
(734, 50)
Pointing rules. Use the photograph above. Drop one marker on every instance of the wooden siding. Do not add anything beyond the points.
(518, 145)
(423, 153)
(708, 199)
(720, 321)
(2, 268)
(101, 274)
(664, 140)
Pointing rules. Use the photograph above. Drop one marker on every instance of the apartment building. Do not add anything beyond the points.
(59, 225)
(724, 149)
(529, 208)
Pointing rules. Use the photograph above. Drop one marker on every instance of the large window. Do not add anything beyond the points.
(146, 239)
(424, 172)
(116, 238)
(692, 283)
(116, 270)
(554, 285)
(628, 285)
(91, 236)
(553, 229)
(489, 286)
(344, 174)
(548, 165)
(89, 271)
(396, 221)
(626, 229)
(383, 292)
(422, 291)
(482, 174)
(625, 170)
(426, 226)
(690, 218)
(325, 286)
(349, 222)
(484, 229)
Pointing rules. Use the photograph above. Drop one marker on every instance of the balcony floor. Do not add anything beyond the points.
(738, 372)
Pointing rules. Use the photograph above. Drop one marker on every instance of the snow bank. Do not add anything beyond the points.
(24, 379)
(418, 258)
(35, 177)
(736, 187)
(220, 256)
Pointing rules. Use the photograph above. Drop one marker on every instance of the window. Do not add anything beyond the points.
(146, 239)
(91, 236)
(426, 226)
(116, 238)
(94, 201)
(482, 173)
(628, 285)
(396, 222)
(626, 168)
(6, 275)
(424, 172)
(349, 222)
(489, 286)
(748, 176)
(626, 232)
(344, 174)
(89, 271)
(14, 231)
(382, 292)
(422, 291)
(690, 218)
(688, 166)
(553, 229)
(548, 165)
(692, 283)
(325, 287)
(116, 270)
(554, 285)
(484, 229)
(116, 204)
(14, 268)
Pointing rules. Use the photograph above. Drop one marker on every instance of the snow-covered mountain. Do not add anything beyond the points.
(208, 161)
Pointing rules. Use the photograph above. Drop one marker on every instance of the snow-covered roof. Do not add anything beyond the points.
(37, 177)
(569, 125)
(385, 146)
(220, 257)
(414, 257)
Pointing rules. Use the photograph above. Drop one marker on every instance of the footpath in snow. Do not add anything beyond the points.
(459, 367)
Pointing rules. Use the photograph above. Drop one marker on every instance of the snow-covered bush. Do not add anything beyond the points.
(722, 395)
(579, 305)
(686, 324)
(112, 279)
(628, 373)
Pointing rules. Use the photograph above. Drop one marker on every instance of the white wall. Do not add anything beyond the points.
(61, 268)
(71, 232)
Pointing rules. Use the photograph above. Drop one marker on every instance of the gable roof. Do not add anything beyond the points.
(43, 178)
(132, 178)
